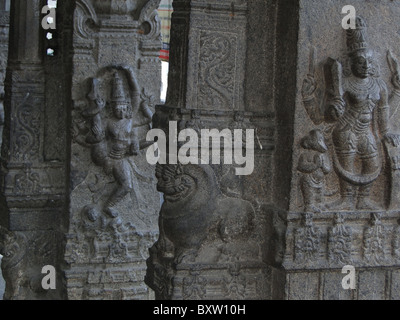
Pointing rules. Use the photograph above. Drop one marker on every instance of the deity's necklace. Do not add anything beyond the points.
(362, 87)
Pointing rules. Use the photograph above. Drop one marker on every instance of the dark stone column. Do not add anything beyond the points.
(77, 192)
(337, 122)
(324, 193)
(32, 188)
(113, 201)
(4, 26)
(4, 30)
(214, 238)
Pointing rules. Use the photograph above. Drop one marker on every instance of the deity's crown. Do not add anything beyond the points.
(118, 90)
(357, 39)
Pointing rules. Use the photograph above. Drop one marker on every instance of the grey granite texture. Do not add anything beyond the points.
(2, 283)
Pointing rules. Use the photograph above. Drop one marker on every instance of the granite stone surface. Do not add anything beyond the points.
(2, 283)
(317, 106)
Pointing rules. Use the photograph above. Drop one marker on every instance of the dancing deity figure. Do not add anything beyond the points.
(115, 139)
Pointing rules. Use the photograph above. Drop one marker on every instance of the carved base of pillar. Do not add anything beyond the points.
(319, 246)
(371, 284)
(108, 265)
(230, 281)
(108, 282)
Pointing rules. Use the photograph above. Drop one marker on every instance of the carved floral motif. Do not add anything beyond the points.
(194, 286)
(375, 238)
(307, 241)
(217, 71)
(340, 242)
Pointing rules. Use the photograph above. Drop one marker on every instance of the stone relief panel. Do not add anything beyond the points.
(118, 185)
(216, 57)
(183, 188)
(307, 241)
(348, 91)
(375, 241)
(216, 85)
(33, 185)
(28, 133)
(211, 225)
(114, 202)
(357, 116)
(115, 219)
(354, 116)
(347, 178)
(333, 240)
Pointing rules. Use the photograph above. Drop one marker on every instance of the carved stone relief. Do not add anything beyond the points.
(32, 188)
(216, 86)
(118, 223)
(114, 201)
(355, 98)
(25, 253)
(307, 241)
(205, 221)
(375, 241)
(114, 140)
(183, 189)
(340, 242)
(220, 236)
(344, 209)
(357, 120)
(314, 164)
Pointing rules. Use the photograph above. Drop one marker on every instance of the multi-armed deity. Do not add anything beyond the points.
(357, 114)
(115, 139)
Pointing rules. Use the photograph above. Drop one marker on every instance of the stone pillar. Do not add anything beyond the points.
(324, 192)
(113, 201)
(2, 283)
(5, 26)
(338, 96)
(76, 190)
(214, 223)
(4, 30)
(32, 186)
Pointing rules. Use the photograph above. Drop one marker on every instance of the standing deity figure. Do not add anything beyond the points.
(353, 104)
(115, 139)
(358, 110)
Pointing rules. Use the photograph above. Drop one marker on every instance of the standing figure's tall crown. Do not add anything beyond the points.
(118, 91)
(357, 39)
